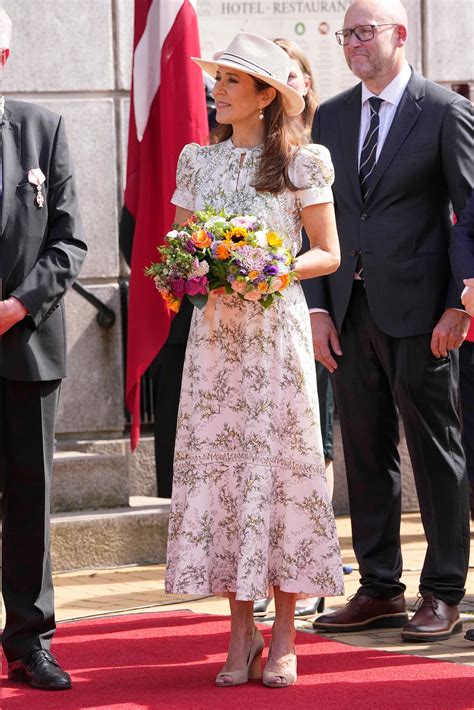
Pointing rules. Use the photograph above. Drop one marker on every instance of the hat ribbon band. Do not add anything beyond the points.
(250, 66)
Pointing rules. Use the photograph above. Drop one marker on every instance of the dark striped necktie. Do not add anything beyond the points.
(368, 156)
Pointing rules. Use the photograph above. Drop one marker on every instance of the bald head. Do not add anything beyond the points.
(381, 10)
(379, 56)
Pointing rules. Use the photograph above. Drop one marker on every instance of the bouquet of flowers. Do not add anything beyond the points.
(219, 251)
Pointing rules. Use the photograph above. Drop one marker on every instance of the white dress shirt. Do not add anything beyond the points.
(391, 95)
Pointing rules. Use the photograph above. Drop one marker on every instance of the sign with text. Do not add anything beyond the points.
(310, 24)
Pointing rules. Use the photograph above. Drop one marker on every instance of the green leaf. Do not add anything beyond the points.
(199, 300)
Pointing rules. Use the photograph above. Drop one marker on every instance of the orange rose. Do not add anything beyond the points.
(201, 239)
(285, 279)
(262, 287)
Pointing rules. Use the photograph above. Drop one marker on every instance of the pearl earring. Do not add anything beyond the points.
(261, 115)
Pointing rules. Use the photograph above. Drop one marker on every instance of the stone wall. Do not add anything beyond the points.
(75, 58)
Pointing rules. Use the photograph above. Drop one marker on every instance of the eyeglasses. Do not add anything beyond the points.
(364, 33)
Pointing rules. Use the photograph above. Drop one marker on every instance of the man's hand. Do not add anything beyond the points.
(11, 311)
(449, 332)
(468, 296)
(325, 340)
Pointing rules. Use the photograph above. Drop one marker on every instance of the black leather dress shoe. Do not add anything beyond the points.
(41, 670)
(469, 635)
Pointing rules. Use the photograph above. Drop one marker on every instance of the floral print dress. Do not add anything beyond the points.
(250, 505)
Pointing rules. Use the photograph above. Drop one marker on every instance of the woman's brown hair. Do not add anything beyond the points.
(283, 136)
(310, 100)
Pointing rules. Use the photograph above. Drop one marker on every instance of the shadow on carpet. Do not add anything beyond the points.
(168, 660)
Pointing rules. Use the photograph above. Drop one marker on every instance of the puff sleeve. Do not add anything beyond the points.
(312, 172)
(185, 193)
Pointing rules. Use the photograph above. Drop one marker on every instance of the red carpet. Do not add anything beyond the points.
(168, 661)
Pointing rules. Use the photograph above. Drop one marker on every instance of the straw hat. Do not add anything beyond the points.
(262, 59)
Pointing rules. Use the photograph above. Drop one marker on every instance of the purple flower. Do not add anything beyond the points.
(270, 270)
(189, 246)
(252, 258)
(196, 285)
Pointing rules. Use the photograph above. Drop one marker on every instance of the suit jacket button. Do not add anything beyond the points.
(364, 216)
(355, 252)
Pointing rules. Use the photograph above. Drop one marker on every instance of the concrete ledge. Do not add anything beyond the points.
(141, 463)
(83, 481)
(109, 538)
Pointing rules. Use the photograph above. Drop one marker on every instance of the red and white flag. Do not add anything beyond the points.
(168, 110)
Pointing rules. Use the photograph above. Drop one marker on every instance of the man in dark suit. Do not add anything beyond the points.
(41, 252)
(462, 262)
(462, 255)
(391, 320)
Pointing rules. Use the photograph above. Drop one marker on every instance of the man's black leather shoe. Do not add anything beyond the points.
(469, 635)
(41, 670)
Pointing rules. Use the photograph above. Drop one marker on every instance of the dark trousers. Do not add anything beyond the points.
(27, 422)
(167, 373)
(466, 388)
(377, 378)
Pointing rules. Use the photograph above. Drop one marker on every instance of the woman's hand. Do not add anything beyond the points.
(467, 297)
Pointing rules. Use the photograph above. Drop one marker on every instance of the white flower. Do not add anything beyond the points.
(200, 268)
(261, 236)
(172, 234)
(207, 226)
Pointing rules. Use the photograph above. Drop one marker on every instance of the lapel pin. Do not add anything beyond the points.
(36, 177)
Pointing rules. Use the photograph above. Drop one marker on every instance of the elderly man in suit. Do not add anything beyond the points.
(41, 252)
(402, 148)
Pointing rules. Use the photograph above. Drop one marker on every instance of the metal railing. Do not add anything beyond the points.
(105, 316)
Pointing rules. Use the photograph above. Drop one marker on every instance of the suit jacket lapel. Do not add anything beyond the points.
(407, 114)
(349, 126)
(11, 139)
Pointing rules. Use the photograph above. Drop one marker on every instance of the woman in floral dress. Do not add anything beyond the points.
(250, 507)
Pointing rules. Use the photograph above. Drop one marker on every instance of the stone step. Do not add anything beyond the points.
(110, 538)
(84, 480)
